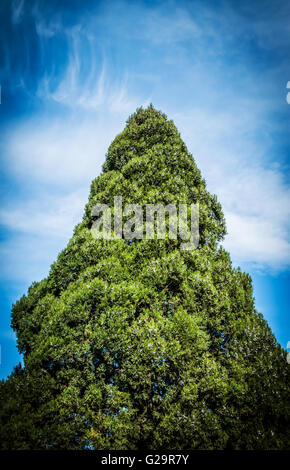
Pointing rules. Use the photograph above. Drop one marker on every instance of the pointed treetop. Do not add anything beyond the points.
(148, 163)
(145, 130)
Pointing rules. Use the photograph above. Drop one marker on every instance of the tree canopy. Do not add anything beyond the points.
(138, 344)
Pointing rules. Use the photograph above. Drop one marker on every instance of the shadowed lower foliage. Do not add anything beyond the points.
(138, 344)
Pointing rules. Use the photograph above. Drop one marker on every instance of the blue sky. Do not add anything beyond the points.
(72, 71)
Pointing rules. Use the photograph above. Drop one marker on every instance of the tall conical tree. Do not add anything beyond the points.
(132, 344)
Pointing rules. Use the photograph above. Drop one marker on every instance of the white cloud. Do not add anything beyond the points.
(39, 229)
(257, 210)
(68, 154)
(160, 27)
(59, 154)
(257, 241)
(27, 258)
(240, 169)
(63, 151)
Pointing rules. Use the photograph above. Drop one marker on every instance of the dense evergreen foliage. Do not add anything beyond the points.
(139, 344)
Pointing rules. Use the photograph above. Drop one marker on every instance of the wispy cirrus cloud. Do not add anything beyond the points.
(233, 147)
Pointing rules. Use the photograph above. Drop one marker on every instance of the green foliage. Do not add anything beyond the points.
(133, 345)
